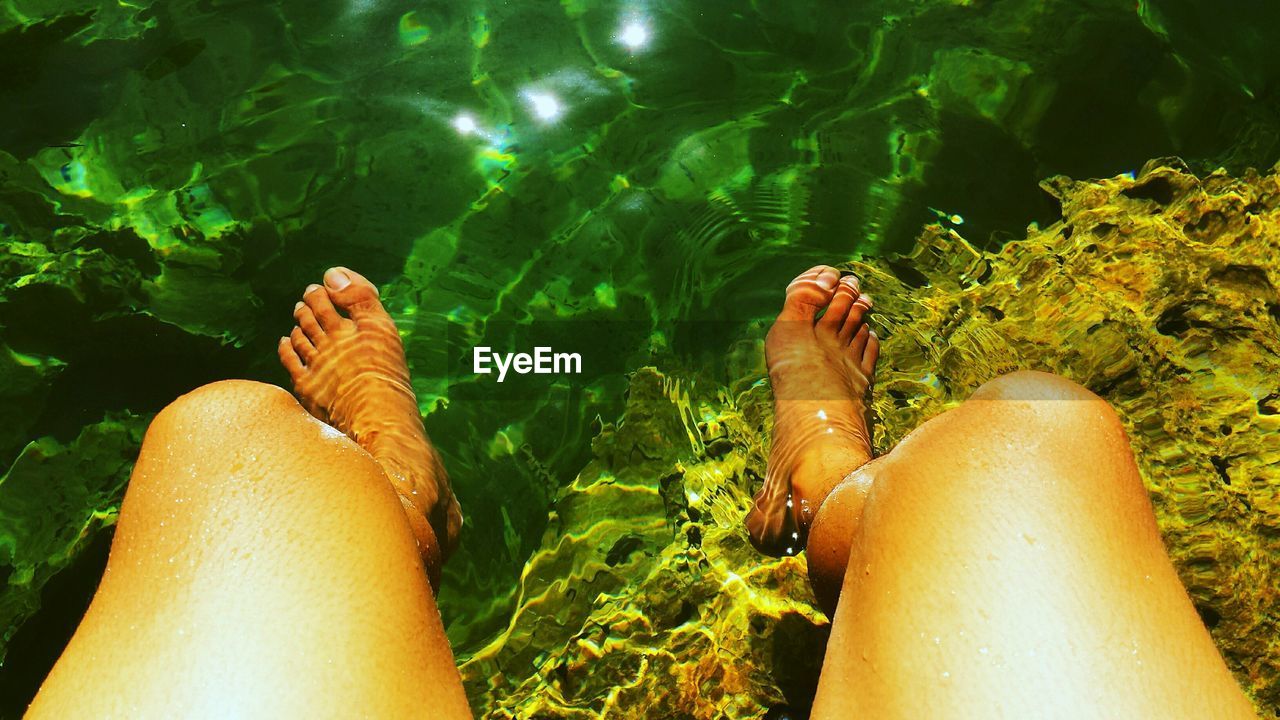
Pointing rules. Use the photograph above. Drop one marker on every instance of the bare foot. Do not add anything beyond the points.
(351, 373)
(821, 370)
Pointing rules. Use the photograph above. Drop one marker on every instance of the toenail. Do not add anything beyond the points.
(828, 278)
(336, 279)
(310, 289)
(298, 305)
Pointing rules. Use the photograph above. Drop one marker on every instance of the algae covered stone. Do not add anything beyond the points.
(54, 498)
(1158, 292)
(646, 599)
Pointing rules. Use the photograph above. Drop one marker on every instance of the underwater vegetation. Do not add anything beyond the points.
(648, 175)
(1161, 293)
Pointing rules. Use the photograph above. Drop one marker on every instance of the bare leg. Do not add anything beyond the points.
(1003, 561)
(264, 565)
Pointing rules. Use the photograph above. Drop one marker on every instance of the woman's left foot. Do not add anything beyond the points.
(821, 356)
(351, 373)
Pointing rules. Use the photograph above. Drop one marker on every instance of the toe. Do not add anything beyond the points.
(809, 292)
(322, 307)
(302, 346)
(833, 319)
(289, 358)
(352, 292)
(870, 355)
(858, 346)
(853, 321)
(307, 321)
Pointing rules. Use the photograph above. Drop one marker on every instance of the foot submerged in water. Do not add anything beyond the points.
(821, 370)
(350, 371)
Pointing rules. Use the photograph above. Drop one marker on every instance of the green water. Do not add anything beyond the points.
(638, 178)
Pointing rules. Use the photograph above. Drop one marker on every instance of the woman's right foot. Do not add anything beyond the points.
(350, 371)
(821, 370)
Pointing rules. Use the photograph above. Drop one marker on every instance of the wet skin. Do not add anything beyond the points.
(1002, 560)
(270, 564)
(351, 373)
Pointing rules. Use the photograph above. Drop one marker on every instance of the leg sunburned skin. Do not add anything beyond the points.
(1003, 561)
(263, 566)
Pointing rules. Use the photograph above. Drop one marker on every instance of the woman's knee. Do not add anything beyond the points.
(1047, 419)
(225, 405)
(1043, 402)
(240, 446)
(1033, 385)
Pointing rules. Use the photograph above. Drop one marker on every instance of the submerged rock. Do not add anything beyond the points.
(1158, 292)
(646, 596)
(53, 499)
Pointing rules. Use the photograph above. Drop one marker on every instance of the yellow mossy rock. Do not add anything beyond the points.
(1158, 292)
